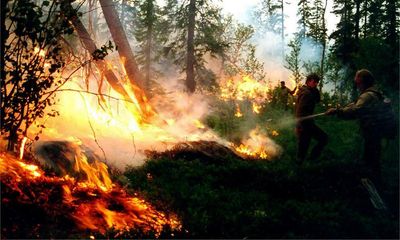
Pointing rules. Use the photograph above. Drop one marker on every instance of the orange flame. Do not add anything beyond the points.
(248, 151)
(238, 112)
(198, 124)
(22, 148)
(92, 207)
(244, 87)
(257, 145)
(256, 108)
(293, 83)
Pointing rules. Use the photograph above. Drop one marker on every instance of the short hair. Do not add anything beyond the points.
(366, 76)
(283, 82)
(313, 76)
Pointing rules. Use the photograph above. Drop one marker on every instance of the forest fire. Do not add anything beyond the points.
(91, 200)
(244, 87)
(162, 119)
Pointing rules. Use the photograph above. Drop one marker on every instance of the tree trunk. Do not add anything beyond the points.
(150, 21)
(4, 36)
(365, 28)
(357, 19)
(283, 31)
(102, 65)
(322, 64)
(190, 82)
(121, 41)
(392, 38)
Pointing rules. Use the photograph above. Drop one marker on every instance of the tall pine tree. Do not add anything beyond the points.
(194, 29)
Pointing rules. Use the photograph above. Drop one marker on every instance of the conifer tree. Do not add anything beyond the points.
(293, 62)
(194, 29)
(147, 32)
(240, 57)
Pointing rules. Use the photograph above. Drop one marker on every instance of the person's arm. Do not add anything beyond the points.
(292, 92)
(354, 110)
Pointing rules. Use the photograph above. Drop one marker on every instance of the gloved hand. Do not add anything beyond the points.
(331, 111)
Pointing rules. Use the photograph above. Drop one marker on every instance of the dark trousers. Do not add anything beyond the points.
(371, 157)
(305, 132)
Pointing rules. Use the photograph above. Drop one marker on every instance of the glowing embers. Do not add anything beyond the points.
(18, 170)
(102, 211)
(90, 206)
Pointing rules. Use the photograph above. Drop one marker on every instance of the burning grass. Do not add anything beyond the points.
(39, 205)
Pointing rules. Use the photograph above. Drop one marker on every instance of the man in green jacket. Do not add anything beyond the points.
(365, 110)
(306, 129)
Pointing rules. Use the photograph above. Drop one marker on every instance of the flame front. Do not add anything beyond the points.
(257, 145)
(258, 152)
(94, 204)
(242, 88)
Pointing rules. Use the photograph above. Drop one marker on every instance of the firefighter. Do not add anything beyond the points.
(284, 94)
(363, 109)
(307, 97)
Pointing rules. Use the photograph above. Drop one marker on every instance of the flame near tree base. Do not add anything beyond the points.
(39, 205)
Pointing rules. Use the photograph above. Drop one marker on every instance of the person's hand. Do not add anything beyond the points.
(331, 111)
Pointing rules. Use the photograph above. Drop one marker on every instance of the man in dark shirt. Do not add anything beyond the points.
(308, 96)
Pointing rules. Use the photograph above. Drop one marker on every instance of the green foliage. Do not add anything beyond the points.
(304, 13)
(240, 57)
(33, 59)
(226, 124)
(316, 24)
(364, 29)
(292, 60)
(371, 49)
(147, 31)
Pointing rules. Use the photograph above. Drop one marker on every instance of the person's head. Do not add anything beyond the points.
(282, 83)
(364, 79)
(312, 80)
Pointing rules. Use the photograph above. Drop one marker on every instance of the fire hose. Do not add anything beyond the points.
(311, 116)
